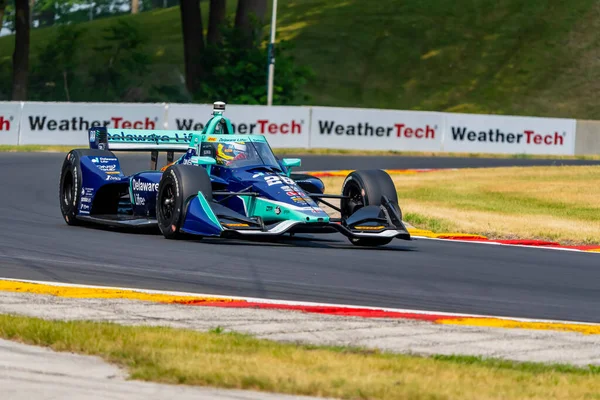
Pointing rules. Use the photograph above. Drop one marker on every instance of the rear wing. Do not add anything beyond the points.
(170, 142)
(139, 140)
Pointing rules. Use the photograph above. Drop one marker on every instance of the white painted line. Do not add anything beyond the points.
(385, 169)
(298, 303)
(490, 241)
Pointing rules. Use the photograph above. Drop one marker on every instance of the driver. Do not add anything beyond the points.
(229, 152)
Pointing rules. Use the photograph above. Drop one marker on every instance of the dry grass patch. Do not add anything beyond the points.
(37, 148)
(556, 203)
(232, 360)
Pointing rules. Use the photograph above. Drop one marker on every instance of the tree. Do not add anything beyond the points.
(249, 15)
(53, 72)
(31, 6)
(123, 62)
(47, 16)
(21, 52)
(45, 11)
(237, 74)
(2, 10)
(193, 43)
(216, 17)
(135, 6)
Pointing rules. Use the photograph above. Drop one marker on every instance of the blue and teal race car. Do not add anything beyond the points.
(224, 185)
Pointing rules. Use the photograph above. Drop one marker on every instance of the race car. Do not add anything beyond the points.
(224, 185)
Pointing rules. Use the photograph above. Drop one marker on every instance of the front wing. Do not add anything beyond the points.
(216, 220)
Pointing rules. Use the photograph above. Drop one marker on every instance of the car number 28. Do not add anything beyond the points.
(278, 180)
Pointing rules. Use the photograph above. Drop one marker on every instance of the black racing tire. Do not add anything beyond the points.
(177, 186)
(365, 188)
(69, 187)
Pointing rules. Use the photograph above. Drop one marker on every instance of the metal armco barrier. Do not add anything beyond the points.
(309, 127)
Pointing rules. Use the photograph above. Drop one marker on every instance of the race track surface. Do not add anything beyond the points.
(35, 243)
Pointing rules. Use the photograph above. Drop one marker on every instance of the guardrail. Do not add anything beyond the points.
(309, 127)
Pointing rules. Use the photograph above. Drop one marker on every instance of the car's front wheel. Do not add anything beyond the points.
(178, 185)
(366, 188)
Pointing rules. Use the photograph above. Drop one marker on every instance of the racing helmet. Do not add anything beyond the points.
(228, 152)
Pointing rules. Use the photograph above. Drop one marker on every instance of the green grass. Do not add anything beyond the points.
(232, 360)
(517, 366)
(433, 224)
(517, 57)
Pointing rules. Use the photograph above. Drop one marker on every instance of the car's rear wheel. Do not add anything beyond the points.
(366, 188)
(69, 187)
(178, 185)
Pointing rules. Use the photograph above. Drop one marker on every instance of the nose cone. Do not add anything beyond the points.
(288, 200)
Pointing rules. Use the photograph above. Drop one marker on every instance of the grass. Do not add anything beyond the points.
(516, 57)
(29, 148)
(553, 203)
(232, 360)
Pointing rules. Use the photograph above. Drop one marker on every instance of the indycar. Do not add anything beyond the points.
(224, 185)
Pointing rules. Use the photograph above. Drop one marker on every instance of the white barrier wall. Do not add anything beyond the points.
(284, 126)
(505, 134)
(10, 116)
(370, 129)
(67, 123)
(298, 127)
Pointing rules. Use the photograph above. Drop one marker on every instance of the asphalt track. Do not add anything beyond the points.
(35, 243)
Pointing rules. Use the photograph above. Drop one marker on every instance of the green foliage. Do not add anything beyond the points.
(238, 73)
(114, 71)
(5, 78)
(9, 15)
(120, 64)
(66, 13)
(501, 57)
(54, 76)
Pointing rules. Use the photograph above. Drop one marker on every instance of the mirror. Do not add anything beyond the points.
(198, 160)
(289, 163)
(203, 160)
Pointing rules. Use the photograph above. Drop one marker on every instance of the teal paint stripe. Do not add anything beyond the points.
(208, 210)
(287, 212)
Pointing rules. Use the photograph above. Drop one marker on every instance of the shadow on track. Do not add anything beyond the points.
(300, 242)
(339, 243)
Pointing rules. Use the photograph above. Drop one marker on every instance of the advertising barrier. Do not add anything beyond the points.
(67, 123)
(301, 127)
(284, 126)
(10, 116)
(472, 133)
(368, 129)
